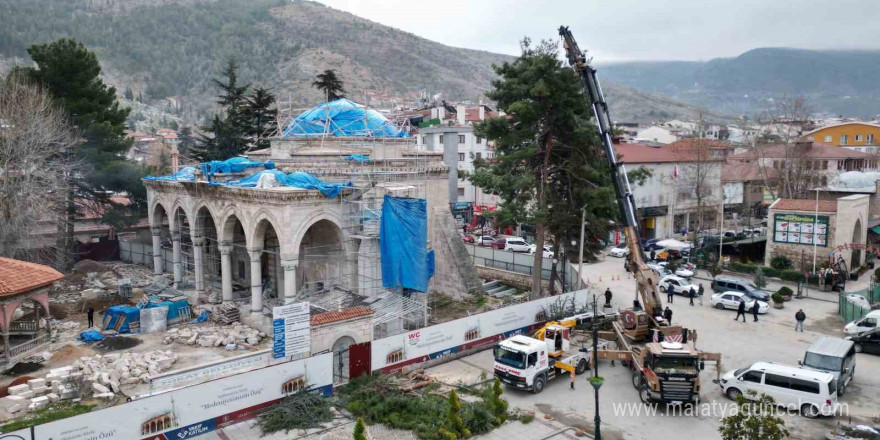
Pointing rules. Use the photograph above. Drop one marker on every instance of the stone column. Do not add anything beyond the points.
(226, 270)
(157, 250)
(256, 281)
(198, 258)
(178, 264)
(289, 280)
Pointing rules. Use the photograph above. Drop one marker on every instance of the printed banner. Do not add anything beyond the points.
(291, 330)
(392, 353)
(800, 229)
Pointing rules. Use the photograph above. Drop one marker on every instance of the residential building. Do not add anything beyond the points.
(667, 202)
(859, 136)
(714, 148)
(660, 135)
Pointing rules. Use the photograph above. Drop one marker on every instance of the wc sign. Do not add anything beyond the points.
(413, 338)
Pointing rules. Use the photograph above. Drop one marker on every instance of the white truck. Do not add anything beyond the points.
(528, 363)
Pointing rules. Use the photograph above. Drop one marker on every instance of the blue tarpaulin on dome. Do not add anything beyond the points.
(186, 174)
(296, 179)
(342, 118)
(403, 244)
(233, 165)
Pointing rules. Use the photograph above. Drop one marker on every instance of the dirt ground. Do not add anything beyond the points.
(772, 338)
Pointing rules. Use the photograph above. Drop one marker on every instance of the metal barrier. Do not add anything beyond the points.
(850, 311)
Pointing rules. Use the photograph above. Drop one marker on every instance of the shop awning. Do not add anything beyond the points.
(875, 229)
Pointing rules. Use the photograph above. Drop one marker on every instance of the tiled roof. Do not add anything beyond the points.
(746, 172)
(639, 153)
(690, 143)
(18, 276)
(804, 205)
(814, 150)
(340, 315)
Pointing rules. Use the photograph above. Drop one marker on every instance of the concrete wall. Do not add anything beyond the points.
(323, 336)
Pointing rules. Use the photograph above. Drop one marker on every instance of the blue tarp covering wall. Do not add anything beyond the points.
(174, 307)
(233, 165)
(342, 118)
(403, 244)
(127, 314)
(296, 179)
(186, 174)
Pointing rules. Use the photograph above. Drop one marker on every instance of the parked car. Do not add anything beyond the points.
(832, 355)
(731, 300)
(468, 239)
(866, 342)
(516, 245)
(547, 252)
(684, 271)
(650, 244)
(619, 251)
(661, 270)
(676, 284)
(863, 324)
(814, 393)
(486, 240)
(724, 284)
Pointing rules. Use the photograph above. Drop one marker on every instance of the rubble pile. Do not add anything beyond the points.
(215, 335)
(103, 376)
(140, 276)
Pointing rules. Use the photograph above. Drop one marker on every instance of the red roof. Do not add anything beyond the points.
(640, 153)
(812, 150)
(804, 205)
(18, 276)
(340, 315)
(691, 143)
(745, 172)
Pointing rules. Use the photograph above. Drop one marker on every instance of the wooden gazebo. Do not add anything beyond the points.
(21, 281)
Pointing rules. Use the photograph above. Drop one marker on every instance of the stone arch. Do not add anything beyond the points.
(320, 250)
(341, 364)
(265, 237)
(261, 221)
(205, 231)
(203, 218)
(176, 206)
(157, 211)
(225, 228)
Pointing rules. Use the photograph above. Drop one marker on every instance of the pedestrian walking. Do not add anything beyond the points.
(608, 297)
(741, 311)
(799, 318)
(91, 315)
(572, 379)
(669, 293)
(692, 293)
(667, 315)
(700, 293)
(754, 310)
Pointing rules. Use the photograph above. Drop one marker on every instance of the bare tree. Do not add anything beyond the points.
(699, 166)
(34, 134)
(783, 158)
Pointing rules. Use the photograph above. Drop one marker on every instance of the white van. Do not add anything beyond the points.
(812, 393)
(863, 324)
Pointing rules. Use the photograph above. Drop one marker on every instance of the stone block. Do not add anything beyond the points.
(104, 395)
(39, 391)
(13, 398)
(53, 397)
(36, 383)
(27, 394)
(14, 408)
(100, 388)
(19, 389)
(40, 401)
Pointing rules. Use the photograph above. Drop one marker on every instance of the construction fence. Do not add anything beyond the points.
(854, 305)
(520, 262)
(140, 253)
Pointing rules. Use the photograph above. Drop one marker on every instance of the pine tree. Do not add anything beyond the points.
(754, 419)
(227, 137)
(456, 424)
(360, 430)
(330, 84)
(259, 116)
(72, 74)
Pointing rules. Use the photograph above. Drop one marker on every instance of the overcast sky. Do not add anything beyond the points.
(622, 30)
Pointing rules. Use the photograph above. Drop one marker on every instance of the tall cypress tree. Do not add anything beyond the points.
(72, 75)
(227, 137)
(259, 115)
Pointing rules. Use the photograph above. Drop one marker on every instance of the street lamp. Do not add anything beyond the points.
(581, 252)
(596, 381)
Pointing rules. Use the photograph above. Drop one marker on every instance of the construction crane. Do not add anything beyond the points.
(637, 322)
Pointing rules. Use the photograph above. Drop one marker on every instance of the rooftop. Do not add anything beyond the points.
(639, 153)
(812, 150)
(809, 205)
(18, 276)
(340, 315)
(693, 143)
(745, 172)
(867, 124)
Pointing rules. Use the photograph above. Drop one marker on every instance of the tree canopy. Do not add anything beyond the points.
(330, 84)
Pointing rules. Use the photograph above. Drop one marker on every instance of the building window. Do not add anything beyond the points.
(870, 139)
(479, 140)
(858, 138)
(423, 138)
(461, 192)
(824, 164)
(461, 157)
(828, 139)
(844, 139)
(461, 139)
(810, 138)
(478, 155)
(441, 138)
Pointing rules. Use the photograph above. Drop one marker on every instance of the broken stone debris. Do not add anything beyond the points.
(105, 375)
(215, 336)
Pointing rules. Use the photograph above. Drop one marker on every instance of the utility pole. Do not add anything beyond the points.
(596, 383)
(581, 252)
(721, 231)
(815, 228)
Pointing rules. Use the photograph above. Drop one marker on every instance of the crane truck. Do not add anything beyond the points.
(666, 365)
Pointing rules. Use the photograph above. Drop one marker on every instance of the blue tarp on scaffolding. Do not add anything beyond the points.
(342, 118)
(403, 244)
(186, 174)
(359, 158)
(233, 165)
(296, 179)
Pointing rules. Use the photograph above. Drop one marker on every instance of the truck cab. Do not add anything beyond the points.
(668, 372)
(529, 363)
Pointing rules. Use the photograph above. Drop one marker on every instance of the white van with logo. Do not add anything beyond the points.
(812, 393)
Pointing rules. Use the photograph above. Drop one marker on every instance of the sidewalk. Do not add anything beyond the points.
(775, 284)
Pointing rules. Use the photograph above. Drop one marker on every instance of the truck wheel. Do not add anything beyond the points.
(858, 348)
(637, 380)
(581, 367)
(644, 396)
(841, 389)
(538, 385)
